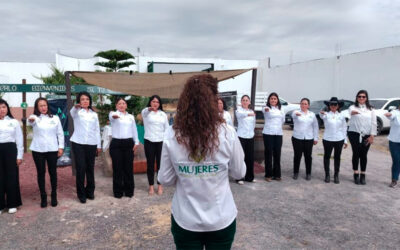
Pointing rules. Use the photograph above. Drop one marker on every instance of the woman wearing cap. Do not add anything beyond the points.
(272, 135)
(362, 128)
(334, 136)
(155, 124)
(199, 152)
(305, 135)
(47, 145)
(86, 144)
(11, 152)
(223, 111)
(124, 142)
(394, 144)
(246, 123)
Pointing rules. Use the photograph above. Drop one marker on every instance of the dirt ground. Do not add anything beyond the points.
(277, 215)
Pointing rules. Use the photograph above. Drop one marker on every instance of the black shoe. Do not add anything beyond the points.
(336, 179)
(43, 202)
(90, 197)
(295, 176)
(54, 201)
(308, 177)
(356, 179)
(393, 184)
(362, 179)
(327, 178)
(82, 200)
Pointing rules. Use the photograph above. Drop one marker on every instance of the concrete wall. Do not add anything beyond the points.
(377, 71)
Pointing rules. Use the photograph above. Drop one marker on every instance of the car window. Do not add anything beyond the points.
(346, 105)
(393, 103)
(283, 102)
(377, 104)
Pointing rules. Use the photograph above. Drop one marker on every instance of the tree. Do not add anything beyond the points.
(117, 60)
(58, 77)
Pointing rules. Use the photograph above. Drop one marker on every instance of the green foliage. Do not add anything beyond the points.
(57, 77)
(117, 60)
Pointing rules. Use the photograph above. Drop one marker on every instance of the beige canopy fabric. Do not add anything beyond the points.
(147, 84)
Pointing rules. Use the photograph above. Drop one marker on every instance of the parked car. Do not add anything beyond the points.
(316, 107)
(382, 106)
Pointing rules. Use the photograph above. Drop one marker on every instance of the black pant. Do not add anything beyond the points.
(153, 152)
(84, 161)
(40, 162)
(248, 148)
(360, 150)
(10, 195)
(328, 147)
(272, 155)
(301, 147)
(121, 152)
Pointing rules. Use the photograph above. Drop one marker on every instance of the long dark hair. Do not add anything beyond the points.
(223, 103)
(197, 118)
(277, 97)
(305, 99)
(78, 98)
(36, 107)
(159, 100)
(357, 104)
(2, 101)
(243, 96)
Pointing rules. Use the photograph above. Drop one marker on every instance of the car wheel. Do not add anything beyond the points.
(379, 126)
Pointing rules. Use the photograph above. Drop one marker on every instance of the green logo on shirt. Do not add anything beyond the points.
(198, 170)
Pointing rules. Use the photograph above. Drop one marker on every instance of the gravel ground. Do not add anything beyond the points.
(276, 215)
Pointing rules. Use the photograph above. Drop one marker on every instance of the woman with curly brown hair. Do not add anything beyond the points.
(198, 153)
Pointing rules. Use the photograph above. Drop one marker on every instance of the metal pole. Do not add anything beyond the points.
(24, 118)
(70, 122)
(253, 88)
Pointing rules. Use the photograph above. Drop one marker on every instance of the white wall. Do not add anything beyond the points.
(14, 72)
(377, 71)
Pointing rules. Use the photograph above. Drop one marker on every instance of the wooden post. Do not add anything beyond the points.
(24, 118)
(70, 122)
(253, 88)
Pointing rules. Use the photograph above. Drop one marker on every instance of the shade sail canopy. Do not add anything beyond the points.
(147, 84)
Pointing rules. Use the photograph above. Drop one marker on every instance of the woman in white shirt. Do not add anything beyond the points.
(305, 135)
(155, 124)
(124, 142)
(199, 152)
(246, 123)
(274, 118)
(394, 144)
(362, 128)
(11, 152)
(222, 109)
(334, 136)
(47, 145)
(86, 144)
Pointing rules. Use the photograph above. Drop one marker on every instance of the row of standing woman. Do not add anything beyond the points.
(48, 144)
(360, 130)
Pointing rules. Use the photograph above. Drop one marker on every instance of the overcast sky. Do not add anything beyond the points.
(285, 30)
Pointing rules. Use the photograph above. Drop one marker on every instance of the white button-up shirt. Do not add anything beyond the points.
(124, 127)
(305, 126)
(10, 131)
(246, 123)
(394, 134)
(227, 117)
(48, 135)
(364, 122)
(203, 199)
(86, 127)
(155, 124)
(335, 126)
(273, 121)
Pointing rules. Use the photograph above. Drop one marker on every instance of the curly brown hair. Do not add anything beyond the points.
(197, 117)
